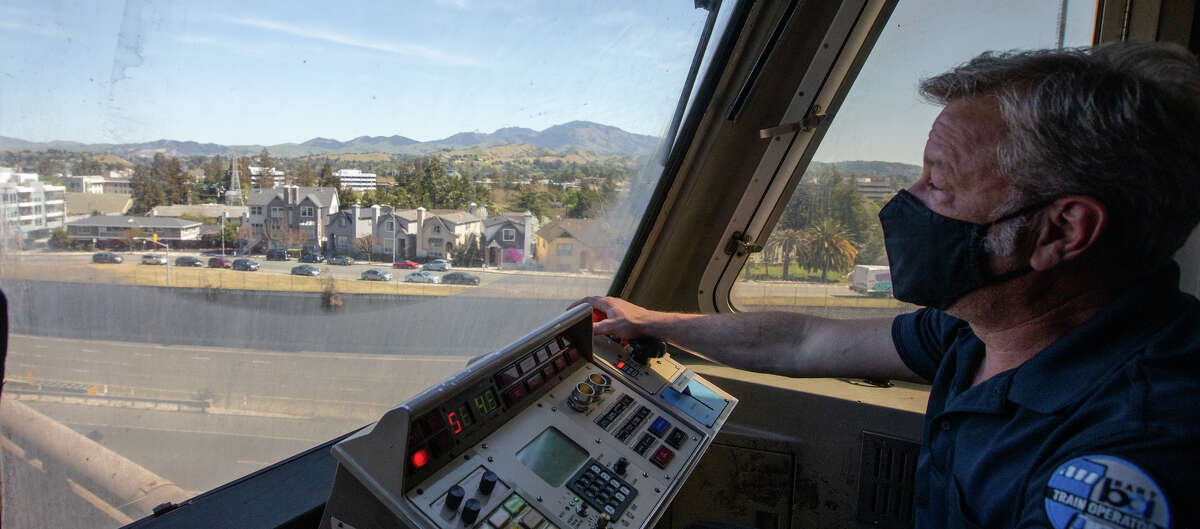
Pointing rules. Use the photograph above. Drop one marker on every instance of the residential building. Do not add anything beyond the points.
(508, 238)
(568, 245)
(440, 231)
(278, 178)
(290, 216)
(29, 209)
(356, 180)
(13, 176)
(408, 234)
(348, 226)
(84, 184)
(113, 228)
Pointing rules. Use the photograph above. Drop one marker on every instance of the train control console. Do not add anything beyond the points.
(560, 430)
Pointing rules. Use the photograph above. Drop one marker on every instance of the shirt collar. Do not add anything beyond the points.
(1066, 371)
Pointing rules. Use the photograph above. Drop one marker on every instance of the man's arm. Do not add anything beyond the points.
(781, 343)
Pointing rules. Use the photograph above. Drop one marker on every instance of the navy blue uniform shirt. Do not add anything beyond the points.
(1100, 429)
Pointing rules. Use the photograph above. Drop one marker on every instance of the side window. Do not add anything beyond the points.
(825, 255)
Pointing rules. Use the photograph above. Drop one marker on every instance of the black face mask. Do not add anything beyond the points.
(935, 259)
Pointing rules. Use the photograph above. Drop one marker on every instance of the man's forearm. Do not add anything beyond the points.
(786, 343)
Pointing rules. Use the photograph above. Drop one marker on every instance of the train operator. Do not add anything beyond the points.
(1064, 360)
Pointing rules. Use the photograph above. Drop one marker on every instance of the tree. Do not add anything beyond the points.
(305, 176)
(536, 202)
(325, 177)
(48, 168)
(366, 244)
(59, 239)
(214, 170)
(130, 235)
(347, 197)
(243, 165)
(147, 192)
(587, 202)
(827, 246)
(87, 166)
(788, 242)
(168, 174)
(266, 175)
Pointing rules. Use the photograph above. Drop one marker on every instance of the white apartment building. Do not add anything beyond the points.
(29, 209)
(356, 179)
(278, 177)
(98, 184)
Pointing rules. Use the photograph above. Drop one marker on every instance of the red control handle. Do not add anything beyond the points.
(598, 315)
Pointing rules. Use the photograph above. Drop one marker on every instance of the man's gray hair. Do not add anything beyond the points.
(1117, 122)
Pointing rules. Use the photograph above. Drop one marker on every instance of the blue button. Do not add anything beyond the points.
(659, 427)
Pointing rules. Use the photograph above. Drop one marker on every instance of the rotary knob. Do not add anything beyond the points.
(454, 497)
(620, 466)
(487, 483)
(470, 511)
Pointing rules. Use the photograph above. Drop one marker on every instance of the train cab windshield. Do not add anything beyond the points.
(231, 234)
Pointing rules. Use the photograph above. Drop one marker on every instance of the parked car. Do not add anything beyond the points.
(107, 257)
(410, 265)
(312, 258)
(341, 260)
(220, 262)
(154, 259)
(376, 274)
(245, 265)
(277, 255)
(421, 276)
(188, 260)
(306, 270)
(437, 266)
(460, 278)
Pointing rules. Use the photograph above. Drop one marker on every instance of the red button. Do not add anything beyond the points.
(508, 376)
(572, 354)
(561, 363)
(662, 456)
(420, 458)
(548, 371)
(516, 394)
(533, 382)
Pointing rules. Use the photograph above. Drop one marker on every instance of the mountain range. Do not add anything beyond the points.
(583, 135)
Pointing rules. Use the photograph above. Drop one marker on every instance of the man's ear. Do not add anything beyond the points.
(1070, 227)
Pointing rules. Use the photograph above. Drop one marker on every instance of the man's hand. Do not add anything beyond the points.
(625, 321)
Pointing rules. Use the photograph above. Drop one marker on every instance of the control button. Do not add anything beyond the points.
(619, 497)
(548, 371)
(594, 468)
(534, 382)
(532, 519)
(601, 382)
(454, 497)
(560, 363)
(612, 511)
(676, 438)
(659, 427)
(614, 483)
(470, 511)
(527, 364)
(514, 504)
(662, 456)
(572, 355)
(516, 394)
(498, 518)
(488, 482)
(624, 490)
(508, 376)
(604, 476)
(419, 458)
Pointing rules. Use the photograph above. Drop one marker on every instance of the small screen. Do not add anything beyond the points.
(486, 403)
(553, 456)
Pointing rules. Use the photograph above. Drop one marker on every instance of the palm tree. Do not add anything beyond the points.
(828, 245)
(788, 241)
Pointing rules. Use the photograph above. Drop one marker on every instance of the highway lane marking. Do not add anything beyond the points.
(77, 370)
(201, 358)
(144, 355)
(253, 463)
(89, 350)
(259, 362)
(187, 431)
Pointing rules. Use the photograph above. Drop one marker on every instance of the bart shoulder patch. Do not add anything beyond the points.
(1101, 491)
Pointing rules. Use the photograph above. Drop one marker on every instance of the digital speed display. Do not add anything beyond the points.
(486, 403)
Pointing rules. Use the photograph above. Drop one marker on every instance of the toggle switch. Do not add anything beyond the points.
(454, 497)
(487, 483)
(620, 466)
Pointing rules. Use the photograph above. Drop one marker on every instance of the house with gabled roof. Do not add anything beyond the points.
(569, 245)
(509, 238)
(290, 216)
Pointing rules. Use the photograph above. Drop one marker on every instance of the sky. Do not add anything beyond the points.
(272, 72)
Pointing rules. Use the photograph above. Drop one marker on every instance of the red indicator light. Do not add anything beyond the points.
(420, 458)
(621, 365)
(454, 422)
